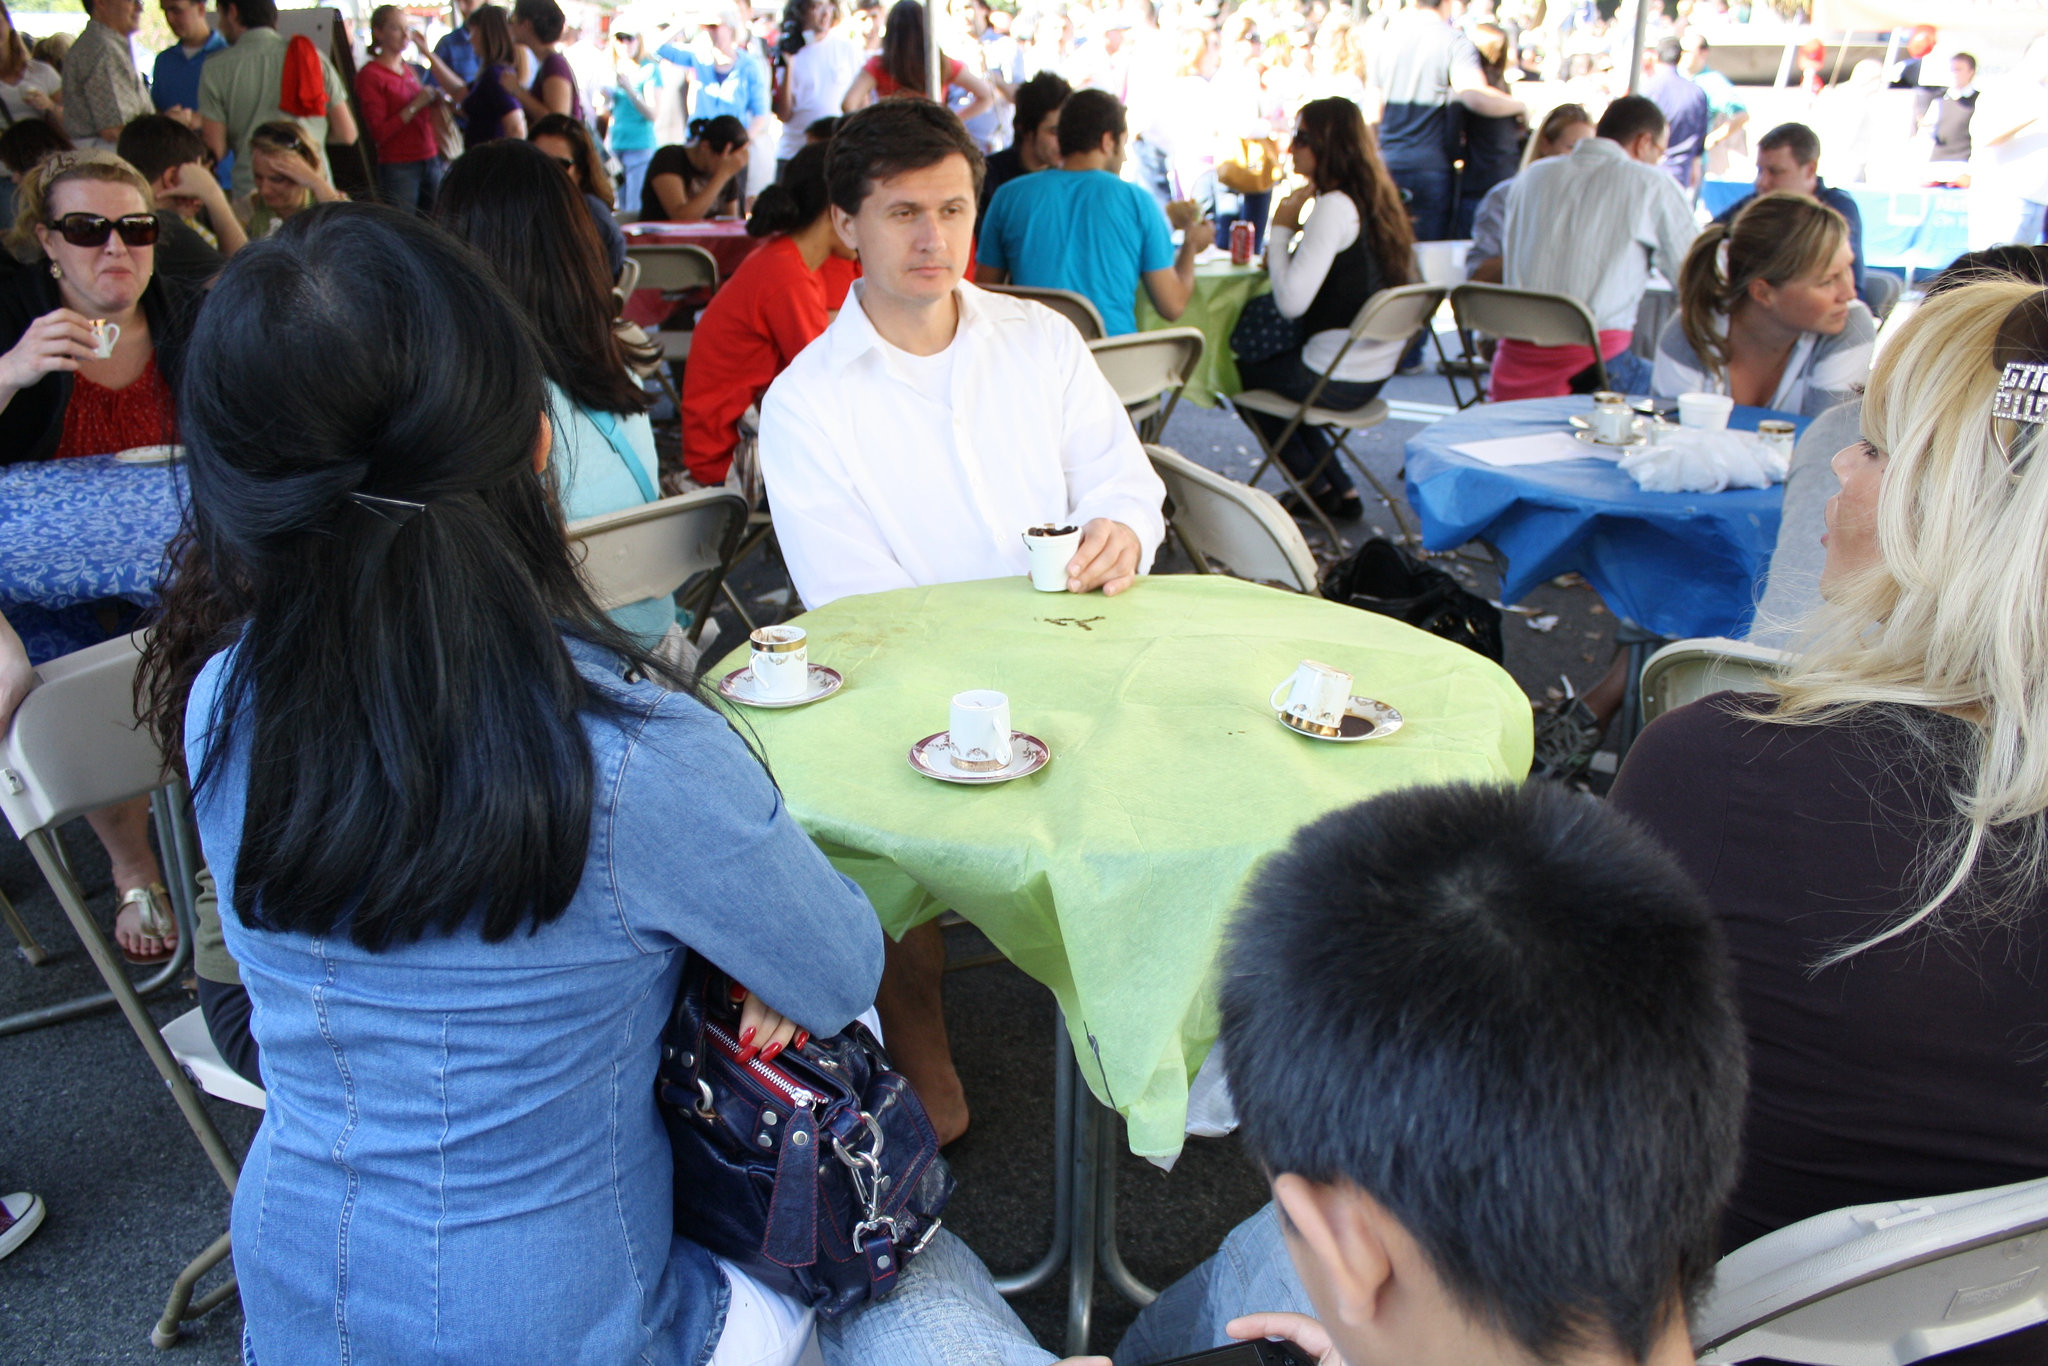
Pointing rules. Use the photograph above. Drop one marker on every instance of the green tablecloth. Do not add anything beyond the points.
(1221, 292)
(1109, 874)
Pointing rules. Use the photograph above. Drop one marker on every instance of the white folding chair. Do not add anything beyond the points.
(193, 1047)
(655, 549)
(1148, 371)
(1687, 670)
(1077, 309)
(1883, 1284)
(628, 281)
(1524, 315)
(1232, 528)
(74, 746)
(1392, 315)
(672, 268)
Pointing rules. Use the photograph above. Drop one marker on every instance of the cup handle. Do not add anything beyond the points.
(1284, 686)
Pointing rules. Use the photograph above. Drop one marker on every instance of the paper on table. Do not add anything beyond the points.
(1544, 448)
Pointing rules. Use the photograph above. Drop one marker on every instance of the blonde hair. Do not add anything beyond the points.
(284, 137)
(1552, 128)
(32, 192)
(1954, 616)
(1778, 238)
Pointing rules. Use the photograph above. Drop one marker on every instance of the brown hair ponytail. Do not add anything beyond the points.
(1778, 237)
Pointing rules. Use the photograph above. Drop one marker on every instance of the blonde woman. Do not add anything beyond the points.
(1874, 836)
(286, 169)
(1767, 311)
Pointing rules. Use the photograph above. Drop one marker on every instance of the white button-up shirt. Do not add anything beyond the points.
(1590, 225)
(887, 470)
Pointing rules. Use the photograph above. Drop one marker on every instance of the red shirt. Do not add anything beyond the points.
(885, 84)
(840, 272)
(383, 94)
(100, 421)
(772, 307)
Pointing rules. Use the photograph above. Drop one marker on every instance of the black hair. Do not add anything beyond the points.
(154, 143)
(1966, 57)
(890, 137)
(795, 25)
(28, 141)
(1669, 50)
(1087, 117)
(545, 17)
(402, 696)
(796, 199)
(1628, 118)
(591, 176)
(510, 201)
(253, 13)
(1802, 142)
(2010, 262)
(720, 134)
(1506, 1015)
(821, 130)
(1037, 98)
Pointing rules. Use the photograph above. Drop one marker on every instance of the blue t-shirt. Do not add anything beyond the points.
(458, 50)
(1081, 230)
(174, 82)
(741, 90)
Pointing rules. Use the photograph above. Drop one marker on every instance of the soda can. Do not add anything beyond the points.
(1241, 238)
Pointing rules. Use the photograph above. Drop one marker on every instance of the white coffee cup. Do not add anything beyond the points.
(979, 734)
(1706, 412)
(1613, 421)
(104, 336)
(781, 667)
(1052, 546)
(1317, 696)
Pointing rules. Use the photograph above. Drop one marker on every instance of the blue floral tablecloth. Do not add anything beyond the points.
(76, 532)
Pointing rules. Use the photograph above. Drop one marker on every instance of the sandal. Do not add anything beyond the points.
(153, 921)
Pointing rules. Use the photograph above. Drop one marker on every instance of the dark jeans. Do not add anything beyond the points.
(410, 184)
(225, 1008)
(1431, 193)
(1285, 375)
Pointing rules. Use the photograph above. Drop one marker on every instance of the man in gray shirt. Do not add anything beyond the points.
(102, 88)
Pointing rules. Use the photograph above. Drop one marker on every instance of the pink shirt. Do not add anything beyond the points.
(384, 93)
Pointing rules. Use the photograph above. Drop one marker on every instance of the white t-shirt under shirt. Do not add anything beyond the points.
(819, 77)
(14, 106)
(1298, 273)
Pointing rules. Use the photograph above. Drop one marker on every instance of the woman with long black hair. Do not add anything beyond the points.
(1358, 242)
(462, 839)
(900, 69)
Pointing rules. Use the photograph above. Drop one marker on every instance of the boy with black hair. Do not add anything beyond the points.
(173, 160)
(1037, 144)
(1080, 226)
(1484, 1042)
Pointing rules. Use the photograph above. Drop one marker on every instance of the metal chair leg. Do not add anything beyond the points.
(181, 1308)
(1107, 1252)
(32, 950)
(1410, 533)
(1064, 1076)
(1273, 461)
(1086, 1166)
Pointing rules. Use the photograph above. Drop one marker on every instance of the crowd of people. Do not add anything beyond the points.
(1518, 1067)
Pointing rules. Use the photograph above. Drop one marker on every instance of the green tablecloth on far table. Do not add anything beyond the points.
(1109, 874)
(1221, 292)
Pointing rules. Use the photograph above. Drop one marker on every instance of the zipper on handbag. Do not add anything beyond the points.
(774, 1078)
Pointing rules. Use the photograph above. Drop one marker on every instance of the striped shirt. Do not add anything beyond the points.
(1821, 371)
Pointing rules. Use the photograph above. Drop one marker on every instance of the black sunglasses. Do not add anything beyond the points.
(566, 163)
(93, 230)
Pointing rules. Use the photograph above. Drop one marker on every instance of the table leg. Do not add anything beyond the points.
(1090, 1146)
(1064, 1077)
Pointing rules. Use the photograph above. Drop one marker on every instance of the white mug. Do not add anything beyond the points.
(1706, 412)
(1317, 696)
(1052, 546)
(1613, 421)
(979, 736)
(780, 664)
(104, 335)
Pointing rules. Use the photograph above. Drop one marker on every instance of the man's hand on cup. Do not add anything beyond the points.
(1201, 236)
(1183, 214)
(1299, 1329)
(1107, 558)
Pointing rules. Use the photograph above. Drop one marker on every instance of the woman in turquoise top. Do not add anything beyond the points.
(513, 204)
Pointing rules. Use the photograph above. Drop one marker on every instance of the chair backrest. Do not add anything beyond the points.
(629, 276)
(1525, 315)
(1687, 670)
(1884, 1284)
(1884, 291)
(1077, 309)
(1234, 525)
(1395, 315)
(651, 550)
(1143, 365)
(74, 745)
(673, 266)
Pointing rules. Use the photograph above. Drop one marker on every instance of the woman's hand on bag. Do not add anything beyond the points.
(58, 340)
(1288, 214)
(763, 1032)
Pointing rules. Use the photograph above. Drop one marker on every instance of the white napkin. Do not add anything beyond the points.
(1544, 448)
(1685, 460)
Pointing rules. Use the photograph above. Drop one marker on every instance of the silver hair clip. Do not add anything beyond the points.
(394, 510)
(2020, 393)
(2021, 355)
(389, 518)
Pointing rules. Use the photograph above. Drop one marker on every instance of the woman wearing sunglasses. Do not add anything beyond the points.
(288, 177)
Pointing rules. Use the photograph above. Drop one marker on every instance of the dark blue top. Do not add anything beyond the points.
(608, 233)
(1834, 199)
(484, 111)
(459, 52)
(1688, 112)
(174, 81)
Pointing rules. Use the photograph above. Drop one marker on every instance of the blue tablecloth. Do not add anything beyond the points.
(74, 532)
(1920, 229)
(1679, 564)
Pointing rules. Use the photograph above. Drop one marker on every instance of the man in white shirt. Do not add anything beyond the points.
(1590, 226)
(923, 431)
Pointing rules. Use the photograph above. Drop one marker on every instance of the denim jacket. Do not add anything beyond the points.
(461, 1160)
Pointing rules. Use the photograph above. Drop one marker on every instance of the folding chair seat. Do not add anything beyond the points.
(1148, 370)
(1524, 315)
(74, 746)
(1077, 309)
(1233, 528)
(1392, 315)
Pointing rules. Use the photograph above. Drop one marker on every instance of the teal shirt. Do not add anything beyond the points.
(592, 474)
(1086, 231)
(633, 131)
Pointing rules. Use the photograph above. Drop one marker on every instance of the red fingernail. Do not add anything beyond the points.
(769, 1055)
(738, 992)
(747, 1054)
(746, 1036)
(803, 1036)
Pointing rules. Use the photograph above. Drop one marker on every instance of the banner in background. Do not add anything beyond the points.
(2020, 18)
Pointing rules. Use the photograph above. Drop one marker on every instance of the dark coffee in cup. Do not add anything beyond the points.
(1048, 529)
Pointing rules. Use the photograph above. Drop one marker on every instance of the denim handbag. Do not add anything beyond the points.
(1263, 330)
(818, 1173)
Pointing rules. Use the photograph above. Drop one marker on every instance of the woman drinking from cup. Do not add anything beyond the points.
(1767, 312)
(288, 176)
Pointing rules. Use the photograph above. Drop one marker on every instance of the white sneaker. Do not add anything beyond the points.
(20, 1215)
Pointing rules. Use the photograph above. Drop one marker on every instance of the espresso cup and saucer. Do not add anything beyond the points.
(1319, 704)
(978, 746)
(779, 672)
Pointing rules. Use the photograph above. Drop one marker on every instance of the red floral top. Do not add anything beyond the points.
(100, 421)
